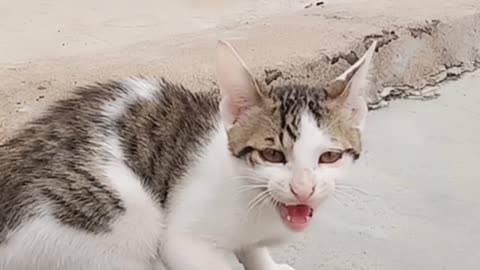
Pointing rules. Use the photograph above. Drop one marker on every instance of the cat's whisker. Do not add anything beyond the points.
(340, 202)
(252, 171)
(246, 191)
(249, 177)
(344, 193)
(256, 200)
(251, 187)
(261, 205)
(260, 178)
(253, 201)
(344, 198)
(267, 201)
(350, 187)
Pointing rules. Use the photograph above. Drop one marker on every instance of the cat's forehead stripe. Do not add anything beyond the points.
(292, 101)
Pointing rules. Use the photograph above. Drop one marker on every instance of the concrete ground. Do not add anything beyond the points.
(413, 205)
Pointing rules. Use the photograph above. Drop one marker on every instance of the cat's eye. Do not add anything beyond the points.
(272, 155)
(330, 157)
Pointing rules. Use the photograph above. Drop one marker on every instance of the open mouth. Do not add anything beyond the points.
(297, 217)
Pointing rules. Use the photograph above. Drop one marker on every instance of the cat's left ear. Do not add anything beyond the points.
(349, 88)
(238, 88)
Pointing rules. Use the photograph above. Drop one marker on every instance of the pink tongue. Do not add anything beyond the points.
(299, 213)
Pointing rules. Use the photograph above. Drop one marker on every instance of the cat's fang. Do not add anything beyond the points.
(296, 217)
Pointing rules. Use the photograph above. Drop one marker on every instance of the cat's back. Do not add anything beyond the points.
(48, 158)
(71, 168)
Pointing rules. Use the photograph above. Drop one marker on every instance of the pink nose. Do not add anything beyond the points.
(302, 193)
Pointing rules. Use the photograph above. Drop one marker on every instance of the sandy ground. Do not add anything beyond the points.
(417, 208)
(52, 28)
(50, 46)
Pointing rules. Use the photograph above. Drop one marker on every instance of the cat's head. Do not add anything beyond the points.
(293, 141)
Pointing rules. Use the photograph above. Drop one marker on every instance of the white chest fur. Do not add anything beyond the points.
(212, 204)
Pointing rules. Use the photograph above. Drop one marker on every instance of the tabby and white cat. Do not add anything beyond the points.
(144, 174)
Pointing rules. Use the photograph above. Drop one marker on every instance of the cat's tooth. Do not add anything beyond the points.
(289, 218)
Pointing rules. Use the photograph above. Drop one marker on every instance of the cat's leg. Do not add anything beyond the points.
(258, 258)
(184, 253)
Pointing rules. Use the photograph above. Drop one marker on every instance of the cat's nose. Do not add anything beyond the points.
(303, 185)
(303, 192)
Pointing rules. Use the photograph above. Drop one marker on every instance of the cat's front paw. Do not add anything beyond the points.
(284, 266)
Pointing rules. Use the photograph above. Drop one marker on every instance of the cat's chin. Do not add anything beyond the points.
(296, 217)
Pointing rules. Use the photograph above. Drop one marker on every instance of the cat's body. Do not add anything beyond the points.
(109, 191)
(131, 174)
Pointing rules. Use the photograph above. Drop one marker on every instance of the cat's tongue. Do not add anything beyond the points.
(297, 217)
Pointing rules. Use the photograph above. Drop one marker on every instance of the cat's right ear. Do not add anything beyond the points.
(349, 88)
(238, 88)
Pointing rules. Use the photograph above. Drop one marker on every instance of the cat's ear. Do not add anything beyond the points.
(349, 88)
(238, 88)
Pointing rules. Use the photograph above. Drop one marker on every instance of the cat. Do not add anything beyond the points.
(145, 174)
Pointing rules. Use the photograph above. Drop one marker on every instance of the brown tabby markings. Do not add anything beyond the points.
(47, 164)
(161, 137)
(274, 123)
(51, 161)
